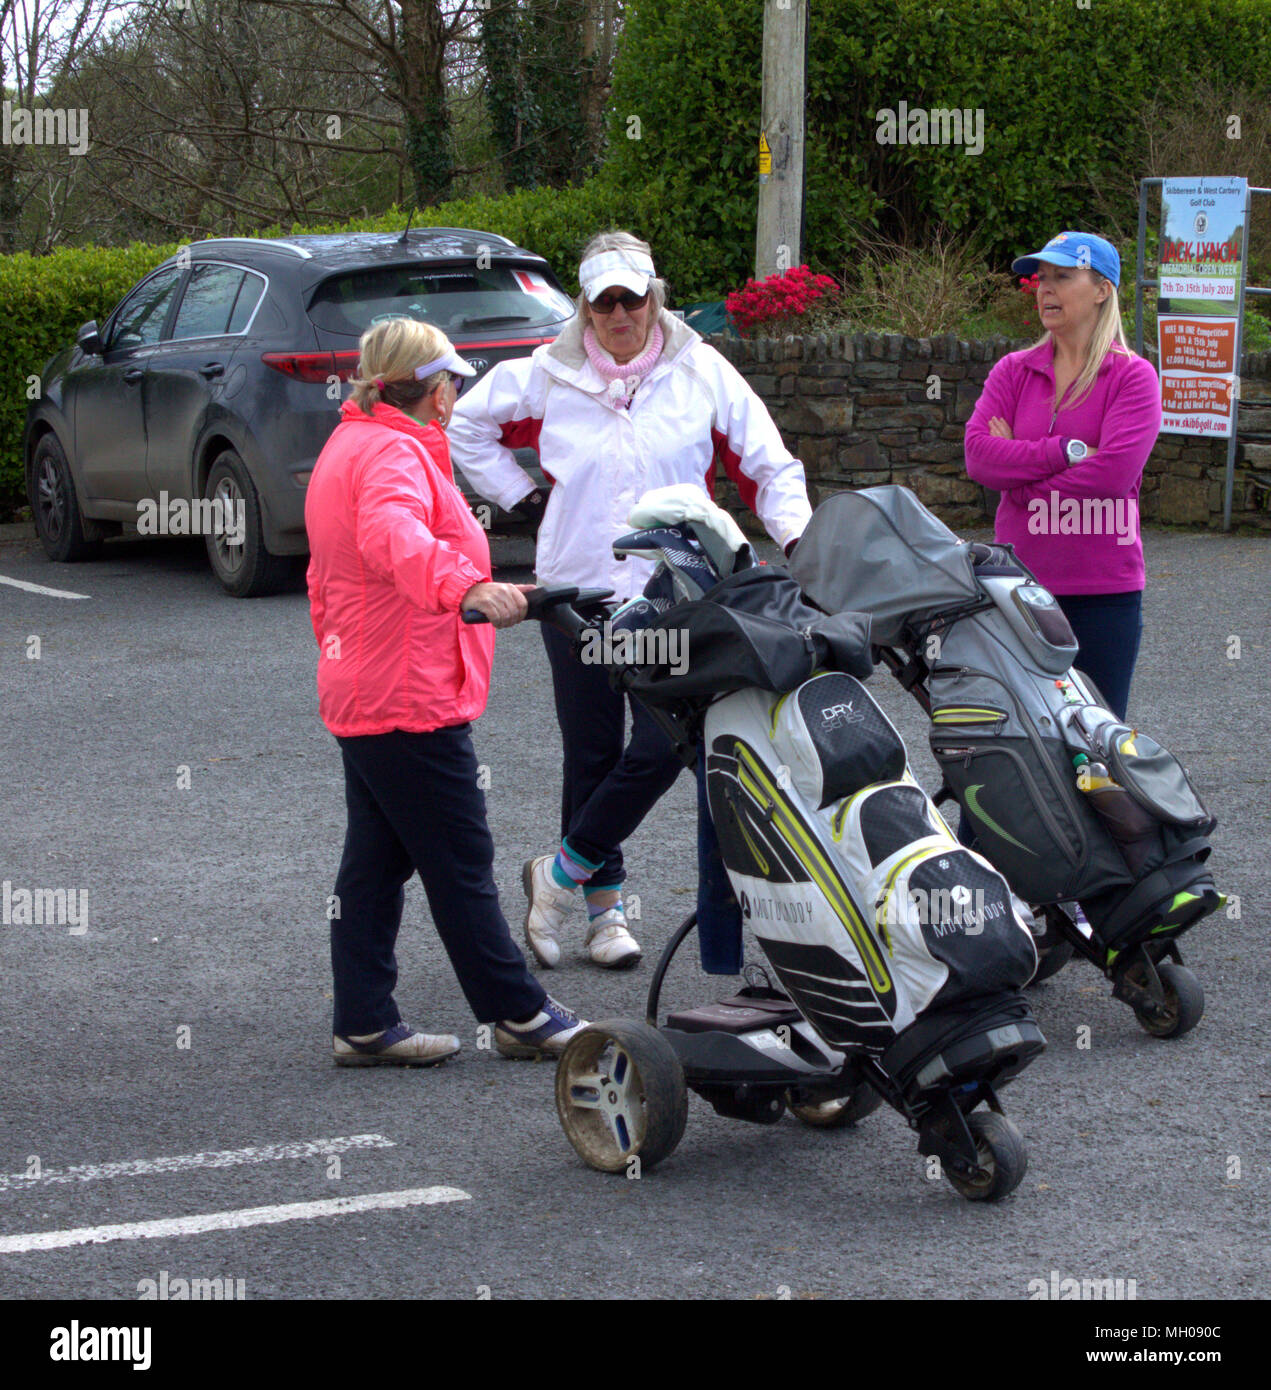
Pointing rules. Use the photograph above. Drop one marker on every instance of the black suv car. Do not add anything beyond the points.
(219, 376)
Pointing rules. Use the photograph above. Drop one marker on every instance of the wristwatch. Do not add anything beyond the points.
(1075, 450)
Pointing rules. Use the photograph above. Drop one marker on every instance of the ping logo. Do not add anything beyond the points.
(839, 716)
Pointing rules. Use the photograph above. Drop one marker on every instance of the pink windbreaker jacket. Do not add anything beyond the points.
(1076, 527)
(393, 548)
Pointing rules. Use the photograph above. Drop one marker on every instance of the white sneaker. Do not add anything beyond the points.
(548, 904)
(610, 944)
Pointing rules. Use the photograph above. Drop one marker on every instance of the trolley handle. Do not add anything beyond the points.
(565, 606)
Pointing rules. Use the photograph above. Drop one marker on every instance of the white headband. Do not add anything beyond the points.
(630, 269)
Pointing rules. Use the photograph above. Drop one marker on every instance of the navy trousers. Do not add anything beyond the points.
(1108, 628)
(607, 789)
(414, 806)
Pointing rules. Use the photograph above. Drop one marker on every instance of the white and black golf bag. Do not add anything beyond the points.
(888, 935)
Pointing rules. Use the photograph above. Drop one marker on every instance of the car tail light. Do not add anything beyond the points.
(314, 367)
(302, 366)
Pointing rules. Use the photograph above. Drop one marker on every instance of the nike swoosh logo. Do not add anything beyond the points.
(973, 805)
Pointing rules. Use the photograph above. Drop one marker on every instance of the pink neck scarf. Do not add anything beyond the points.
(623, 379)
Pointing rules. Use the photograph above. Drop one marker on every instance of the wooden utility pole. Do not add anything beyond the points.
(781, 137)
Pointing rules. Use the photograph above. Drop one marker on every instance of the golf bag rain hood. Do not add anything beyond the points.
(752, 630)
(1012, 723)
(880, 551)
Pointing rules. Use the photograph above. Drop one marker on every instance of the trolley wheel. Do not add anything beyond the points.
(1184, 1003)
(1003, 1159)
(838, 1113)
(620, 1095)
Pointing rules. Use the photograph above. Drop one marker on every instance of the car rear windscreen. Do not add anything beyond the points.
(462, 299)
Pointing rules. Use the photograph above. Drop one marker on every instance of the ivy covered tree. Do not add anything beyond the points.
(547, 68)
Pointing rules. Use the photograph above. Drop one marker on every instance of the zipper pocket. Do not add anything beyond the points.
(1056, 832)
(1058, 791)
(967, 714)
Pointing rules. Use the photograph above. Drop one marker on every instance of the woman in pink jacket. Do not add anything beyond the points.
(395, 555)
(1063, 431)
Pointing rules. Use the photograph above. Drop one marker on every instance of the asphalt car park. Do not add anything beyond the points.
(170, 1062)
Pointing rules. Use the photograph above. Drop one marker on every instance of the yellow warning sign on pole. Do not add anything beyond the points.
(765, 157)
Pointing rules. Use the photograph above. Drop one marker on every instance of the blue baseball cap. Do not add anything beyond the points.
(1078, 249)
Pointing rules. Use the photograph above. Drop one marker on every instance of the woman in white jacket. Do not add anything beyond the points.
(627, 398)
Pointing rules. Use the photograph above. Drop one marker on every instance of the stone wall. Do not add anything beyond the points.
(881, 408)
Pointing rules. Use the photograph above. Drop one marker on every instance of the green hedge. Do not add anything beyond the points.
(46, 299)
(1061, 89)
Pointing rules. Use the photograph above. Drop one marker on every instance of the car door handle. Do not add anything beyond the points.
(211, 369)
(134, 374)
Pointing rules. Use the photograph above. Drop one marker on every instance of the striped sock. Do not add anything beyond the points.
(601, 900)
(569, 869)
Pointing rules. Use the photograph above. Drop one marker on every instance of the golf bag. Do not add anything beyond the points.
(1016, 731)
(889, 936)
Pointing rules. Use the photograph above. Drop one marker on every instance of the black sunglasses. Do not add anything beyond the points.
(607, 303)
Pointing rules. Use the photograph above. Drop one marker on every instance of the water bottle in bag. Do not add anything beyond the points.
(1130, 825)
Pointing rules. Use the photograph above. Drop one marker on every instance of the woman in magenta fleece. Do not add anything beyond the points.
(1062, 431)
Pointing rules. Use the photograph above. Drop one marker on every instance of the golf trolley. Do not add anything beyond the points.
(621, 1084)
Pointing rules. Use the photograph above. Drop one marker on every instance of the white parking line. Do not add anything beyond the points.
(40, 589)
(231, 1220)
(179, 1163)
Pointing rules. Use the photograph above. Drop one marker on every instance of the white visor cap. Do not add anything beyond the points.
(632, 270)
(451, 362)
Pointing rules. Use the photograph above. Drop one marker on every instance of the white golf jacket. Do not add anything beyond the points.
(690, 410)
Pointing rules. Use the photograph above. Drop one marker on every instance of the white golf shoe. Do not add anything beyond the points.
(545, 915)
(610, 944)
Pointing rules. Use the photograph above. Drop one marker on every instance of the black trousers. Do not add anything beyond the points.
(414, 805)
(607, 789)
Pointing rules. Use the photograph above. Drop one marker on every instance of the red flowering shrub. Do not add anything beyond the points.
(774, 307)
(1028, 283)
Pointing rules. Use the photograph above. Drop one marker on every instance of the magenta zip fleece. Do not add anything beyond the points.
(1075, 526)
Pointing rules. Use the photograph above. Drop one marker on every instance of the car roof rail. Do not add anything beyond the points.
(464, 231)
(270, 243)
